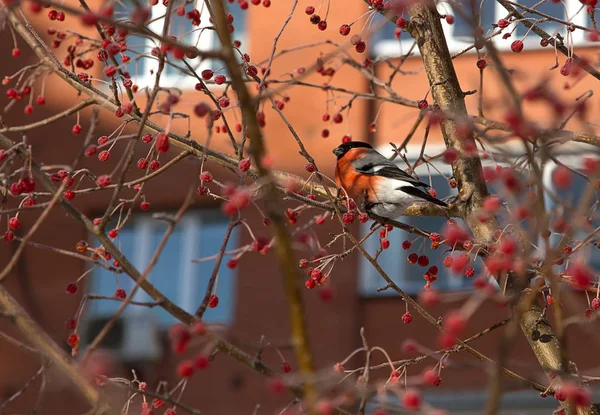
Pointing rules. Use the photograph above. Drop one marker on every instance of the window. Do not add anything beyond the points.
(485, 12)
(394, 260)
(410, 277)
(198, 235)
(143, 64)
(459, 35)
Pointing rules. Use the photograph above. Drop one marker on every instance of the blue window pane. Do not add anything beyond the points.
(136, 45)
(213, 234)
(382, 29)
(239, 33)
(182, 28)
(174, 274)
(483, 14)
(103, 282)
(166, 274)
(239, 21)
(552, 9)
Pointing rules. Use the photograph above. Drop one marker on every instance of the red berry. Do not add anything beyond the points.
(454, 322)
(14, 223)
(73, 340)
(348, 218)
(91, 151)
(213, 301)
(69, 195)
(502, 23)
(76, 129)
(517, 46)
(360, 47)
(411, 399)
(142, 163)
(562, 177)
(423, 104)
(244, 165)
(413, 258)
(286, 367)
(120, 293)
(9, 236)
(154, 165)
(201, 361)
(104, 155)
(162, 143)
(407, 318)
(71, 288)
(103, 181)
(430, 377)
(450, 19)
(406, 245)
(423, 260)
(113, 233)
(206, 177)
(385, 243)
(185, 369)
(344, 30)
(450, 155)
(309, 167)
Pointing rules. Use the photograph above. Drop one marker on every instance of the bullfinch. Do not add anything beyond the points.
(385, 189)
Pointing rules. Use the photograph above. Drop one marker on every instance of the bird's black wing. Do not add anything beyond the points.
(397, 173)
(414, 191)
(377, 165)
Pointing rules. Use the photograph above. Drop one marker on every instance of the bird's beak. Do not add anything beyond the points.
(338, 151)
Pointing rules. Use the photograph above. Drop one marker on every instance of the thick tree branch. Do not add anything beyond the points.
(273, 205)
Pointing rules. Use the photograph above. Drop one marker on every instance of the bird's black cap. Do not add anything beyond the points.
(342, 149)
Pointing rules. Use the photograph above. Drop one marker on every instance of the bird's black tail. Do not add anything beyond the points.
(415, 191)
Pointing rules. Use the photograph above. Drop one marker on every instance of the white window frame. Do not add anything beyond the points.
(203, 38)
(390, 48)
(143, 228)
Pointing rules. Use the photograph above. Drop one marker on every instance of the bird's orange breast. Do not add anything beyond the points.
(347, 177)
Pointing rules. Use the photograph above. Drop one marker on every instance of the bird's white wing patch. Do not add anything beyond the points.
(387, 192)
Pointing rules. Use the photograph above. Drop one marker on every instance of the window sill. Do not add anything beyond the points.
(395, 49)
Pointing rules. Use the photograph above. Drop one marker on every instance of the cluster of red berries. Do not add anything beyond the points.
(573, 393)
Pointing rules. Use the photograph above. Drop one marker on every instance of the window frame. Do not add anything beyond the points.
(393, 48)
(189, 283)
